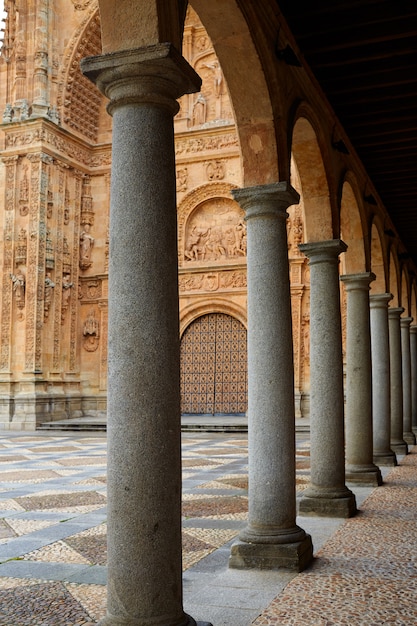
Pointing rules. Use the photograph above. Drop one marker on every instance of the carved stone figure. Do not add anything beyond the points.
(19, 288)
(91, 332)
(199, 110)
(86, 247)
(66, 294)
(47, 298)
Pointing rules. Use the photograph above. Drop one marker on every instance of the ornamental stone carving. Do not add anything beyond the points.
(19, 282)
(91, 332)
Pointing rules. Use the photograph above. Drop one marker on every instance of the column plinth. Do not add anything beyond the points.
(408, 435)
(143, 433)
(360, 467)
(271, 539)
(327, 493)
(381, 392)
(413, 356)
(398, 444)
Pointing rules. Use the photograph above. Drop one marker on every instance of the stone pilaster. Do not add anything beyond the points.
(409, 436)
(396, 377)
(144, 451)
(271, 539)
(358, 420)
(413, 354)
(381, 392)
(327, 493)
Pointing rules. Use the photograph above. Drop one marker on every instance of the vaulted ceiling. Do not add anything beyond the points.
(364, 55)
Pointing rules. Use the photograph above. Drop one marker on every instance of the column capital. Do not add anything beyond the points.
(395, 312)
(323, 251)
(358, 281)
(413, 329)
(405, 322)
(266, 199)
(380, 300)
(155, 74)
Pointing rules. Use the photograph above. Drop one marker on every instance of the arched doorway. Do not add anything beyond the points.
(214, 366)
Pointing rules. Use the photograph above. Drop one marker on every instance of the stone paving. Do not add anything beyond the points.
(53, 539)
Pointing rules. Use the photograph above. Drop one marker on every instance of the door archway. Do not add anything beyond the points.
(214, 366)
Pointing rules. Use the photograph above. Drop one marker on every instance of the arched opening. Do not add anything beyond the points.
(214, 366)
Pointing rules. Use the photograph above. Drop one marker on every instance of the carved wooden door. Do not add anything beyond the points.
(214, 366)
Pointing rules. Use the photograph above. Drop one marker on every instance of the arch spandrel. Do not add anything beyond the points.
(379, 264)
(352, 232)
(313, 181)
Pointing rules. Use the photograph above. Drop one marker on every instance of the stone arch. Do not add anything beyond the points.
(413, 301)
(308, 156)
(214, 305)
(250, 99)
(214, 365)
(405, 291)
(379, 258)
(353, 228)
(394, 278)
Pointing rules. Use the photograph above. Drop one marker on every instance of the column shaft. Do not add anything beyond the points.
(408, 434)
(413, 353)
(327, 493)
(358, 421)
(396, 376)
(144, 447)
(272, 539)
(381, 391)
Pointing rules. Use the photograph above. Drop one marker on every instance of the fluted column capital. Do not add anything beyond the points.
(155, 74)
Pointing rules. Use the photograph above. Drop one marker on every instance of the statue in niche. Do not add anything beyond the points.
(199, 110)
(217, 76)
(91, 332)
(86, 247)
(47, 298)
(19, 280)
(66, 294)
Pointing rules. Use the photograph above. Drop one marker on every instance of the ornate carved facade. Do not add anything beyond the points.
(54, 221)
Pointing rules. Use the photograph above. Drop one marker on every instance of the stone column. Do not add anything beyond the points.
(271, 539)
(396, 376)
(358, 422)
(413, 352)
(144, 446)
(408, 434)
(327, 493)
(381, 392)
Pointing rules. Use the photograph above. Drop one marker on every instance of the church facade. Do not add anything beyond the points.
(55, 181)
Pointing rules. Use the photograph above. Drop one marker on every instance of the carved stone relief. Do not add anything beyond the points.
(91, 332)
(215, 231)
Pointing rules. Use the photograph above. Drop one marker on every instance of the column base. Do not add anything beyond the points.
(113, 620)
(385, 459)
(368, 476)
(410, 438)
(290, 556)
(328, 507)
(400, 447)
